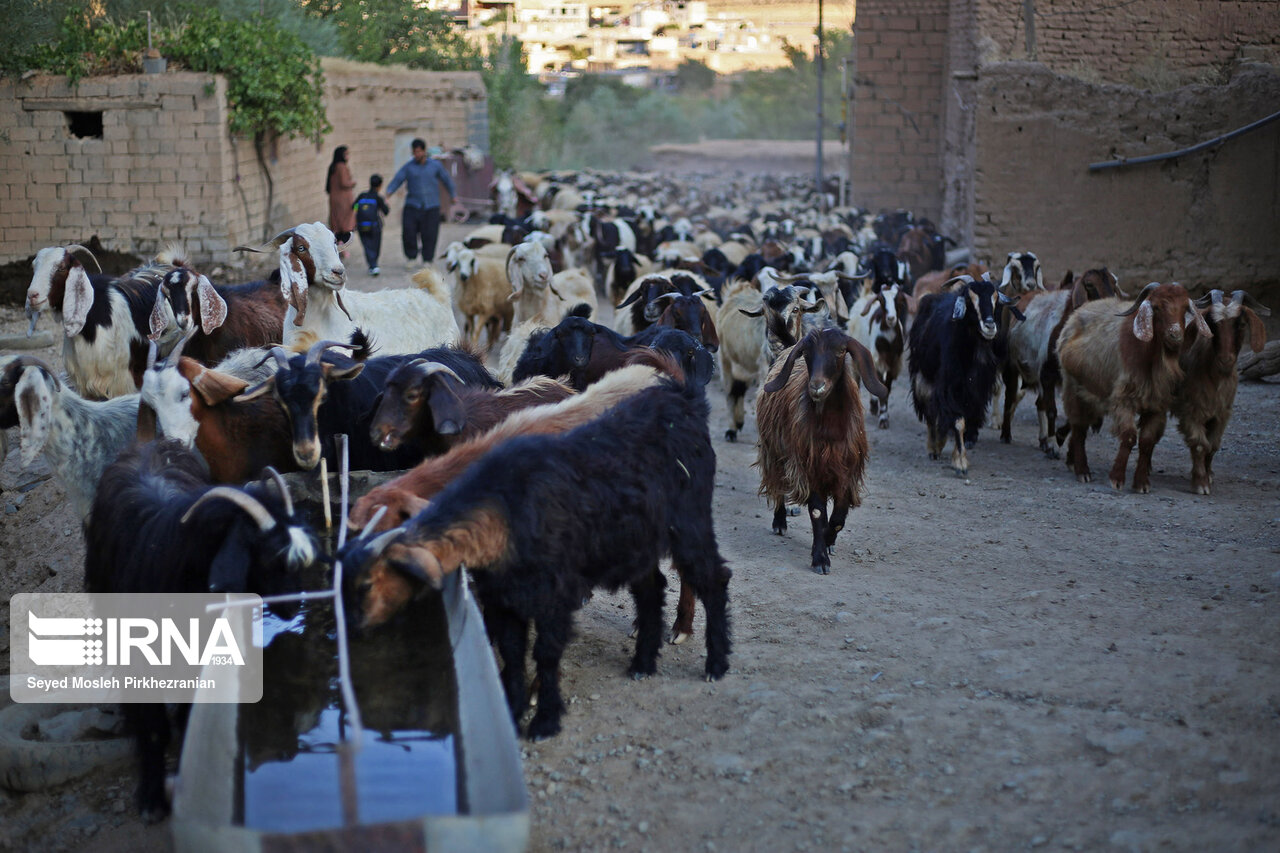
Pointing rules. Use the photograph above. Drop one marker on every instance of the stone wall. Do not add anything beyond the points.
(898, 110)
(1208, 219)
(154, 163)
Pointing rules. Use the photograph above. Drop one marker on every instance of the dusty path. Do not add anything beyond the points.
(1014, 660)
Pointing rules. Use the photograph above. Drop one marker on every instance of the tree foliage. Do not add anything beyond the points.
(397, 32)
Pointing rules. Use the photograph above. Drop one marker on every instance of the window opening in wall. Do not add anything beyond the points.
(84, 125)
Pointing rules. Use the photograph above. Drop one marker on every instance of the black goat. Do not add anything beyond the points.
(335, 395)
(953, 363)
(159, 526)
(645, 300)
(543, 520)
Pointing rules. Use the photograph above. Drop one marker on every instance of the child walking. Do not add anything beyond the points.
(370, 207)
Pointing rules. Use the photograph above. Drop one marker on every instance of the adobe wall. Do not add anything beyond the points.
(165, 169)
(1140, 42)
(898, 110)
(1209, 219)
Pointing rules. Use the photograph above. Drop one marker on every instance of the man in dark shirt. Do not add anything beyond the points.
(421, 178)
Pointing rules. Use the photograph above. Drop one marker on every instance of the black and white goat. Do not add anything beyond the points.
(221, 318)
(158, 526)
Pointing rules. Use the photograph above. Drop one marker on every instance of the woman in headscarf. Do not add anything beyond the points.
(341, 188)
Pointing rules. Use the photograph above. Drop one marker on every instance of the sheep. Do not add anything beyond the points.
(1125, 364)
(224, 318)
(78, 437)
(813, 443)
(953, 365)
(405, 495)
(159, 527)
(313, 278)
(1204, 399)
(540, 520)
(425, 404)
(740, 324)
(322, 398)
(876, 323)
(481, 295)
(1032, 360)
(106, 319)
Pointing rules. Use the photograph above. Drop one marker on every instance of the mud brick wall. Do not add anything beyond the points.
(898, 110)
(163, 168)
(1145, 42)
(1208, 219)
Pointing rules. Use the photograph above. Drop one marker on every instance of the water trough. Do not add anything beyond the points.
(437, 766)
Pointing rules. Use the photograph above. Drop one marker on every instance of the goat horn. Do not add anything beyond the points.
(665, 296)
(1241, 296)
(279, 354)
(284, 489)
(78, 251)
(430, 368)
(966, 279)
(1213, 297)
(152, 351)
(256, 510)
(176, 353)
(372, 524)
(33, 361)
(380, 542)
(1142, 297)
(317, 349)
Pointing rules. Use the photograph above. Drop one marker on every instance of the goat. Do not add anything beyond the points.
(313, 278)
(159, 527)
(1022, 274)
(933, 282)
(953, 365)
(1203, 401)
(741, 327)
(425, 403)
(619, 493)
(1032, 360)
(785, 309)
(405, 495)
(481, 295)
(324, 398)
(224, 318)
(79, 437)
(624, 269)
(542, 299)
(1128, 369)
(106, 320)
(813, 443)
(643, 299)
(877, 324)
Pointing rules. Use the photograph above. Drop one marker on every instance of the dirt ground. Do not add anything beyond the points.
(1008, 661)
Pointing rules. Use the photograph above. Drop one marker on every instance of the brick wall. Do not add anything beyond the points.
(1143, 42)
(896, 154)
(1207, 219)
(166, 170)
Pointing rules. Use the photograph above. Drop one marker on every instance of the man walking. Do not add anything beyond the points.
(421, 178)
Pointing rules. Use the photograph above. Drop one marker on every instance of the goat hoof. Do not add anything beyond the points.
(884, 423)
(933, 457)
(962, 472)
(1118, 485)
(795, 510)
(731, 435)
(678, 637)
(779, 529)
(635, 629)
(1051, 452)
(542, 728)
(1202, 490)
(1144, 489)
(820, 569)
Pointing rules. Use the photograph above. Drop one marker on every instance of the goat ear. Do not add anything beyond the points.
(333, 372)
(1257, 331)
(1143, 322)
(293, 281)
(259, 390)
(447, 411)
(229, 571)
(1195, 317)
(213, 308)
(962, 303)
(77, 301)
(784, 374)
(214, 387)
(158, 321)
(34, 400)
(867, 369)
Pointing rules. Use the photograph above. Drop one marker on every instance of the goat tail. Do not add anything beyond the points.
(173, 254)
(363, 344)
(429, 280)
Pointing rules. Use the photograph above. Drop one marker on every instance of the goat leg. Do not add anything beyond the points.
(780, 517)
(553, 635)
(1128, 435)
(1011, 395)
(648, 595)
(510, 634)
(1076, 457)
(935, 448)
(883, 423)
(150, 725)
(839, 512)
(737, 407)
(683, 627)
(959, 458)
(1151, 428)
(1047, 414)
(818, 515)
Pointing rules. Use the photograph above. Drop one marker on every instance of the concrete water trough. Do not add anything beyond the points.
(437, 766)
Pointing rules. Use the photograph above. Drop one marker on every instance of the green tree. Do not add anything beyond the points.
(397, 32)
(693, 76)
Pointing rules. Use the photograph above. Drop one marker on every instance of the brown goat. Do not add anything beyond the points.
(813, 442)
(1125, 364)
(1204, 400)
(932, 282)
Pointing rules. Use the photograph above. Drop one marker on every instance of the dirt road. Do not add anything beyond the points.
(1008, 661)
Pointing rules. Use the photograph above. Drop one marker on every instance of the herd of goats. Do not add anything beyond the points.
(585, 457)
